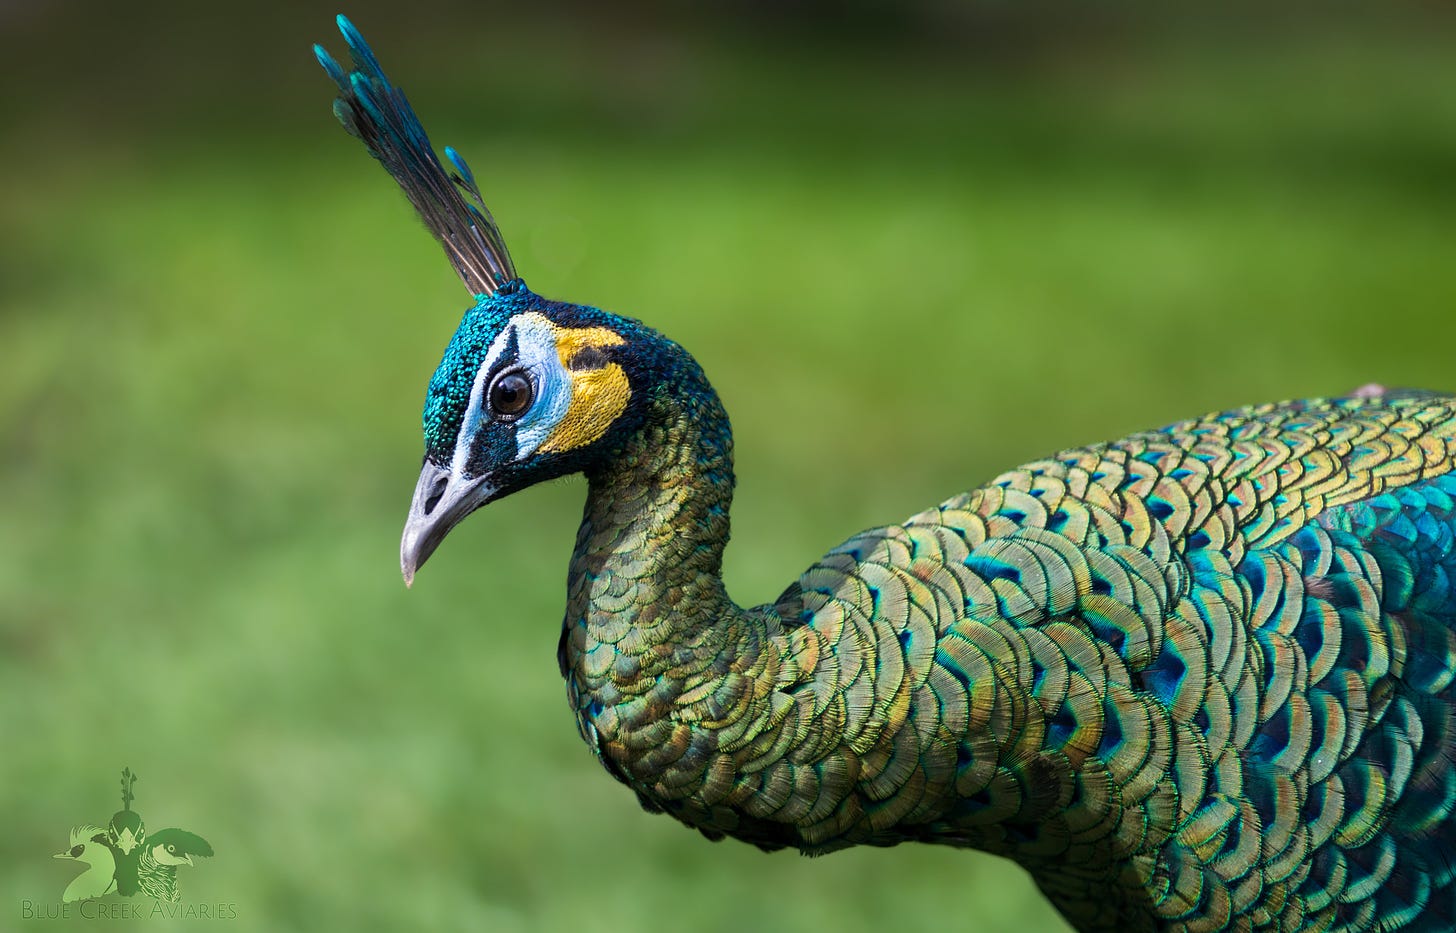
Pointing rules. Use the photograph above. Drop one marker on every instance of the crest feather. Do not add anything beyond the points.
(449, 203)
(85, 833)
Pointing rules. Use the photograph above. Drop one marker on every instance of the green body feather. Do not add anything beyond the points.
(1164, 674)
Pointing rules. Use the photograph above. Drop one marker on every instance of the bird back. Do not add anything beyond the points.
(1208, 667)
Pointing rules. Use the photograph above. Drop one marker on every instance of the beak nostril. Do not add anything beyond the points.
(437, 492)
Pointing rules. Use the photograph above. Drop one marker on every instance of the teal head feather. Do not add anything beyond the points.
(529, 389)
(373, 109)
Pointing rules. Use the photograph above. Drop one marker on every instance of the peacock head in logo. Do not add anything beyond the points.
(529, 389)
(126, 830)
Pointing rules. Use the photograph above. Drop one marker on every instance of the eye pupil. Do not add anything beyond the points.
(510, 394)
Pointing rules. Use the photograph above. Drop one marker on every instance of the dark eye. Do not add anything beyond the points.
(509, 394)
(171, 848)
(77, 850)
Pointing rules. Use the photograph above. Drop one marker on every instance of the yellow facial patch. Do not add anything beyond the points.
(598, 396)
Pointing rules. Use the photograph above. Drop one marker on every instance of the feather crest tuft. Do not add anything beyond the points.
(449, 202)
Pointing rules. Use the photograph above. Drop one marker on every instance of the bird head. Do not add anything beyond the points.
(529, 389)
(88, 844)
(177, 846)
(126, 831)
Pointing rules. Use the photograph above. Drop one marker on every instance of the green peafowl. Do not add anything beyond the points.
(1199, 678)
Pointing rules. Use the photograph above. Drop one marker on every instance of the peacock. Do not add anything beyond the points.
(1199, 678)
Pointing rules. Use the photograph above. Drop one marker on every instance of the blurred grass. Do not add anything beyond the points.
(907, 265)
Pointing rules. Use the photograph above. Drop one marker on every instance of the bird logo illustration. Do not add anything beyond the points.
(126, 859)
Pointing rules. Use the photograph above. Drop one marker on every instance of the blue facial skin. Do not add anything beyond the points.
(652, 363)
(449, 391)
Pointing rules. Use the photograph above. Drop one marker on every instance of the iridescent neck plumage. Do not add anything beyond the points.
(649, 552)
(660, 664)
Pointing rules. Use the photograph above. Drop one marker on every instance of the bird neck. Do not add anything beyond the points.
(649, 553)
(647, 612)
(100, 868)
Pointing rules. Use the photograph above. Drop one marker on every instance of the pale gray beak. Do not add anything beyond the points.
(441, 500)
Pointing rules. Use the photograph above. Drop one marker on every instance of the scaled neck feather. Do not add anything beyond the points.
(647, 612)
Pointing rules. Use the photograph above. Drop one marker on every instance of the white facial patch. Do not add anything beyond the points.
(536, 351)
(536, 356)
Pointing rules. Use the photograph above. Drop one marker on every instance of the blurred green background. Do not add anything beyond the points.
(912, 244)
